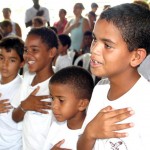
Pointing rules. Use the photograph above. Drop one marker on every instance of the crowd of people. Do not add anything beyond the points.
(48, 103)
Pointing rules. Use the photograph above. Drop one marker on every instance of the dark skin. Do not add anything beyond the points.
(107, 119)
(27, 105)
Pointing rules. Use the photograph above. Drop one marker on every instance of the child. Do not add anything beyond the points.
(63, 60)
(11, 60)
(37, 22)
(7, 28)
(87, 40)
(71, 90)
(121, 42)
(40, 49)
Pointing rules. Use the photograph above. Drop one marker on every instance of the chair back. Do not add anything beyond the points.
(85, 58)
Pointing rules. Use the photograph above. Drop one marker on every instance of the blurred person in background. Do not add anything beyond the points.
(16, 29)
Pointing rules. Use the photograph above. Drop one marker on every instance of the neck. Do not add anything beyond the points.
(119, 87)
(42, 76)
(36, 6)
(7, 80)
(77, 121)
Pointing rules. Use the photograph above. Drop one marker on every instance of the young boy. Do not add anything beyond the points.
(63, 60)
(40, 49)
(11, 60)
(71, 90)
(121, 42)
(87, 40)
(7, 29)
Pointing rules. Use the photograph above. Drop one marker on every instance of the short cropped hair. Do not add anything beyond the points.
(78, 78)
(142, 3)
(6, 23)
(133, 21)
(47, 35)
(63, 10)
(88, 33)
(65, 39)
(39, 19)
(6, 9)
(13, 43)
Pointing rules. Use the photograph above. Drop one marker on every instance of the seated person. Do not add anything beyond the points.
(87, 40)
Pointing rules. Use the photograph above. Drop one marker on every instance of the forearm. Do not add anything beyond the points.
(68, 29)
(18, 114)
(85, 142)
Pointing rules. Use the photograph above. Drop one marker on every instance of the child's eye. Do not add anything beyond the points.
(12, 60)
(107, 46)
(1, 58)
(61, 100)
(34, 50)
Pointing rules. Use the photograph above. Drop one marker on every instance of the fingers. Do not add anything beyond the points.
(118, 114)
(5, 106)
(123, 116)
(118, 127)
(60, 143)
(106, 109)
(44, 97)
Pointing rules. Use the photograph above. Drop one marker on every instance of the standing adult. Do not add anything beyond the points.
(15, 26)
(36, 10)
(60, 25)
(76, 27)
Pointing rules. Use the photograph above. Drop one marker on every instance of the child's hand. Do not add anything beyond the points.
(104, 124)
(57, 146)
(35, 103)
(5, 106)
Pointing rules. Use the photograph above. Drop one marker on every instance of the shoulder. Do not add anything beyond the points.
(44, 8)
(29, 9)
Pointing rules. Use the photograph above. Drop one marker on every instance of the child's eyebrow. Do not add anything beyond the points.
(13, 57)
(108, 40)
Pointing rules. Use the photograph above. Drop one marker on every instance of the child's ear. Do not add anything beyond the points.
(53, 52)
(83, 104)
(137, 57)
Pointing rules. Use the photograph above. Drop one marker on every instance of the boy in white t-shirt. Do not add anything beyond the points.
(63, 60)
(121, 42)
(71, 90)
(34, 108)
(11, 61)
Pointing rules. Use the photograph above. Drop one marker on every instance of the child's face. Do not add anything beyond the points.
(36, 54)
(10, 64)
(110, 55)
(64, 105)
(88, 40)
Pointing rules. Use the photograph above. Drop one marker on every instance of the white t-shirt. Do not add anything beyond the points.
(137, 98)
(62, 62)
(31, 13)
(60, 131)
(35, 124)
(10, 132)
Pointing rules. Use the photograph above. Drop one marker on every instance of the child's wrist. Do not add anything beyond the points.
(22, 108)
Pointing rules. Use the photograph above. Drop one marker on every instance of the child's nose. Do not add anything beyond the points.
(54, 105)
